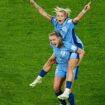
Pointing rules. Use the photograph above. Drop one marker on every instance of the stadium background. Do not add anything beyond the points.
(24, 48)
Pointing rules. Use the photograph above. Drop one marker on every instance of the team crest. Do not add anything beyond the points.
(64, 29)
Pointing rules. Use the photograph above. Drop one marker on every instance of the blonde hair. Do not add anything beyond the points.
(67, 11)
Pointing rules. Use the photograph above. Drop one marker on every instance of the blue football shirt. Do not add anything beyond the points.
(63, 53)
(67, 31)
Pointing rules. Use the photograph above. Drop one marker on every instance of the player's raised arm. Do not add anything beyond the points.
(41, 10)
(81, 14)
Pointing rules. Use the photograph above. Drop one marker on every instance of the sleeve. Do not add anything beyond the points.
(53, 20)
(71, 24)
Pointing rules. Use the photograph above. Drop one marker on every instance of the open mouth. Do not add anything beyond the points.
(55, 45)
(60, 21)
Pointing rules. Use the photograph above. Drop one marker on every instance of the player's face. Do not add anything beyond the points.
(54, 40)
(60, 17)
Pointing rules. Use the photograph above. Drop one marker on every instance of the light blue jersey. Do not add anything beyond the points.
(63, 55)
(67, 31)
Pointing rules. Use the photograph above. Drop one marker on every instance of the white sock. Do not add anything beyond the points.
(67, 91)
(39, 77)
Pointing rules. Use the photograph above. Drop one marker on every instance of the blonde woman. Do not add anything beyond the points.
(65, 26)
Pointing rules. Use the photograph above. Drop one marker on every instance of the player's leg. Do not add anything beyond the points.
(71, 98)
(43, 72)
(81, 55)
(59, 79)
(76, 69)
(70, 77)
(58, 82)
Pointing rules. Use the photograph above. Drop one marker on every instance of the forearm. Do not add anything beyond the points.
(48, 65)
(79, 17)
(41, 11)
(82, 13)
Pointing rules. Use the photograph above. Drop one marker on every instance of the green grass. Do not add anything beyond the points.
(24, 48)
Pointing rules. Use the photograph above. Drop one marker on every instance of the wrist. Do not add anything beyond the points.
(84, 11)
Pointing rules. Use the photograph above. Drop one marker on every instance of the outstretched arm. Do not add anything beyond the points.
(48, 65)
(81, 14)
(40, 10)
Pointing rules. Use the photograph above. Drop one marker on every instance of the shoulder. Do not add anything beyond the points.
(66, 24)
(70, 22)
(53, 19)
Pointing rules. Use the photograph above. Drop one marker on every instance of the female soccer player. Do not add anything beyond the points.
(63, 52)
(65, 26)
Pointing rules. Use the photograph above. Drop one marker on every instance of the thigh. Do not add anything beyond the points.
(60, 71)
(60, 76)
(73, 62)
(58, 82)
(74, 59)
